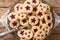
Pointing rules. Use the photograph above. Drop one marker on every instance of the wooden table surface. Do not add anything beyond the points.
(4, 6)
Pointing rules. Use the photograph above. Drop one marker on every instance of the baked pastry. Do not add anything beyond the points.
(39, 35)
(28, 34)
(48, 17)
(21, 15)
(34, 2)
(24, 22)
(35, 29)
(39, 14)
(50, 24)
(43, 21)
(21, 33)
(33, 20)
(12, 16)
(18, 7)
(27, 8)
(42, 7)
(14, 24)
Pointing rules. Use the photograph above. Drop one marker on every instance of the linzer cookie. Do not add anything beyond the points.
(35, 29)
(42, 7)
(27, 8)
(21, 15)
(33, 19)
(21, 33)
(18, 7)
(39, 35)
(28, 34)
(24, 22)
(12, 16)
(14, 24)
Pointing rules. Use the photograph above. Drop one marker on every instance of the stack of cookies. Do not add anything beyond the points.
(33, 19)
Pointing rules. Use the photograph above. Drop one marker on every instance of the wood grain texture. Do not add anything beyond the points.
(55, 4)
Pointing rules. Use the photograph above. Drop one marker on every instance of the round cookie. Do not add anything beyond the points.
(21, 33)
(24, 22)
(21, 15)
(42, 7)
(35, 29)
(33, 20)
(27, 8)
(48, 17)
(40, 34)
(39, 14)
(50, 25)
(28, 34)
(34, 3)
(14, 24)
(18, 7)
(43, 21)
(12, 16)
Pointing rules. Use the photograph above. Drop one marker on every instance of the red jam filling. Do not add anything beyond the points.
(47, 8)
(38, 35)
(35, 30)
(14, 23)
(20, 7)
(46, 27)
(40, 27)
(46, 34)
(27, 8)
(28, 2)
(34, 1)
(34, 9)
(12, 16)
(40, 14)
(17, 8)
(43, 21)
(18, 14)
(22, 15)
(28, 35)
(25, 33)
(29, 32)
(44, 7)
(49, 24)
(40, 32)
(33, 20)
(42, 35)
(40, 5)
(22, 32)
(23, 38)
(41, 8)
(24, 20)
(43, 29)
(46, 31)
(48, 17)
